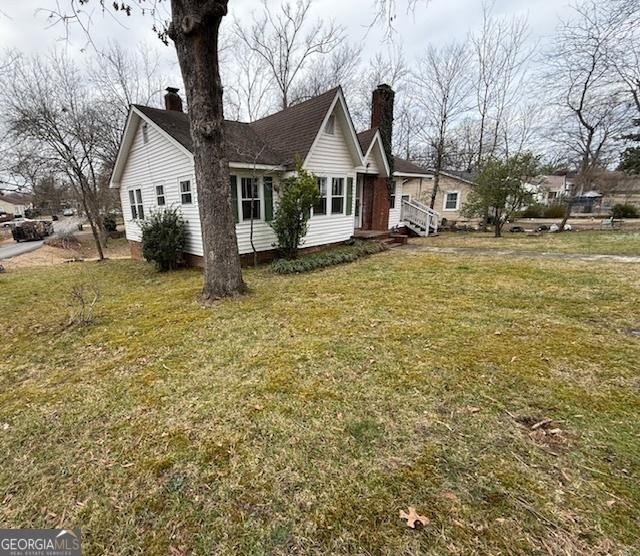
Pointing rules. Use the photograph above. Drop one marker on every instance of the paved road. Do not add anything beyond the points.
(14, 249)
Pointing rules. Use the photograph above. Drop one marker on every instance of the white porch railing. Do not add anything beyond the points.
(419, 217)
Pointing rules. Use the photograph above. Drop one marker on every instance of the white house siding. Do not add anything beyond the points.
(372, 164)
(10, 208)
(159, 162)
(330, 157)
(394, 213)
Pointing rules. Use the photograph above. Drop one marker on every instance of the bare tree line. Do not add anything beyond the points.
(64, 121)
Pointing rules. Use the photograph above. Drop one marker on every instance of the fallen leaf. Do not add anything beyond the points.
(514, 358)
(474, 409)
(555, 431)
(412, 517)
(5, 426)
(500, 520)
(258, 407)
(498, 333)
(610, 503)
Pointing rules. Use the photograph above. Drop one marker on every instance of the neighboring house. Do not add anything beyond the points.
(616, 188)
(154, 169)
(553, 188)
(14, 203)
(453, 190)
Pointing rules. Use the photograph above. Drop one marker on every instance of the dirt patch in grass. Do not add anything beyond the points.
(303, 417)
(53, 254)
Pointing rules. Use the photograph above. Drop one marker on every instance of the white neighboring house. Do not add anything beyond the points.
(154, 169)
(14, 203)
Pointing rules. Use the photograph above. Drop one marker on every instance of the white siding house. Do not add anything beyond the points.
(155, 170)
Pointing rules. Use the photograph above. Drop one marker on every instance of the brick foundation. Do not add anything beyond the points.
(135, 247)
(246, 259)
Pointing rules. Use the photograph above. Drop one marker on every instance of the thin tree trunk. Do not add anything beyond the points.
(194, 29)
(567, 214)
(92, 223)
(436, 185)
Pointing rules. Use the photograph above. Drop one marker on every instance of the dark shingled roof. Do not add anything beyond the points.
(460, 174)
(365, 138)
(293, 130)
(276, 139)
(405, 167)
(242, 143)
(400, 164)
(15, 198)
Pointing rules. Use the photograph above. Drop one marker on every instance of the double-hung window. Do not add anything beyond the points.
(160, 198)
(250, 199)
(451, 200)
(135, 201)
(392, 197)
(186, 196)
(321, 204)
(337, 195)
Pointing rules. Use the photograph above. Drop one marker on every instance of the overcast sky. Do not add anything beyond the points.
(24, 26)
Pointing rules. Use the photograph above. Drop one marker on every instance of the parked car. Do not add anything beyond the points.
(13, 223)
(32, 230)
(517, 229)
(68, 212)
(5, 217)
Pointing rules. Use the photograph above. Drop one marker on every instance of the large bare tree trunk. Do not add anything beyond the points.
(194, 29)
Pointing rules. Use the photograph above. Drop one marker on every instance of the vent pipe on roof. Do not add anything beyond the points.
(172, 100)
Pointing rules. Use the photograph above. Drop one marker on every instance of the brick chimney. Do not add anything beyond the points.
(382, 114)
(172, 100)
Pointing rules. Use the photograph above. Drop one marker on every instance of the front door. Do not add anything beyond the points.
(358, 208)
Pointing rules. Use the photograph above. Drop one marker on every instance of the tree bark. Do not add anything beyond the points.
(436, 186)
(194, 29)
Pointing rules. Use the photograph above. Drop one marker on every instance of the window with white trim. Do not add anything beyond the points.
(321, 204)
(392, 197)
(250, 198)
(337, 195)
(160, 198)
(451, 200)
(330, 126)
(135, 202)
(186, 196)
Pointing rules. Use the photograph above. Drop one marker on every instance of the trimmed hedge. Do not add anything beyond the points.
(331, 257)
(556, 210)
(624, 210)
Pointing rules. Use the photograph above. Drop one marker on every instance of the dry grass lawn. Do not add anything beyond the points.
(302, 418)
(581, 242)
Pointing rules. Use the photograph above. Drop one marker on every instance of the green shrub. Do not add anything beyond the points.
(556, 210)
(331, 257)
(532, 211)
(110, 223)
(290, 223)
(624, 210)
(164, 236)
